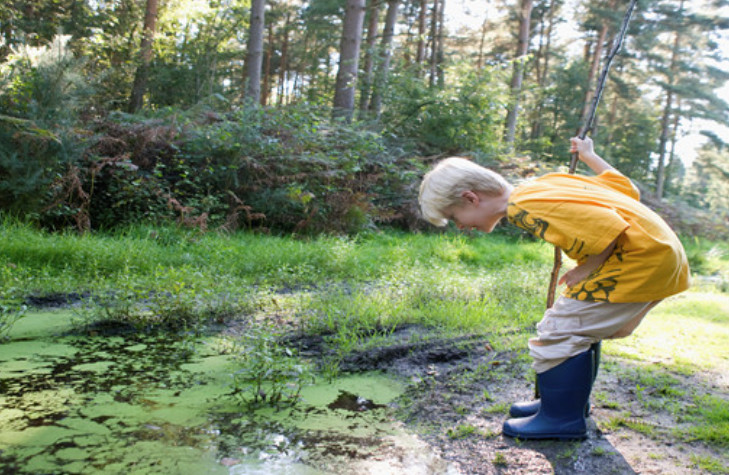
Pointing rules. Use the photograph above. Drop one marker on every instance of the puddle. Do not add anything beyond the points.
(154, 404)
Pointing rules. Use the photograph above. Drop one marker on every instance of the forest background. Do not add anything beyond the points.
(321, 116)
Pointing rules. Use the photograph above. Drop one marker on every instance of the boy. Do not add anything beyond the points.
(628, 260)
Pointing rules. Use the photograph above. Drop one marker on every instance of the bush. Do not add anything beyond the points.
(287, 169)
(41, 95)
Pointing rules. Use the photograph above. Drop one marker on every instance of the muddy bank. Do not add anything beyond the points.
(459, 390)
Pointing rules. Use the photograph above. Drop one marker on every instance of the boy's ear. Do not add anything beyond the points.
(470, 197)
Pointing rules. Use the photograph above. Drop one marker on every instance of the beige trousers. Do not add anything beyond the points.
(571, 326)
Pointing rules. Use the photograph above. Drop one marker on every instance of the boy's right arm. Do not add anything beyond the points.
(587, 154)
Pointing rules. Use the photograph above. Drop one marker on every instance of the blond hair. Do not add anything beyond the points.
(443, 186)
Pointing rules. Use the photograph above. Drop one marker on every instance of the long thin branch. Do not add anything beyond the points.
(587, 126)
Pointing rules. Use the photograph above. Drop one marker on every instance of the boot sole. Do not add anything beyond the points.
(562, 436)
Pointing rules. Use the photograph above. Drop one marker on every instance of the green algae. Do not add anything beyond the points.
(142, 404)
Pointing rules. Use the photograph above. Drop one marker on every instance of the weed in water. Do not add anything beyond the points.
(270, 373)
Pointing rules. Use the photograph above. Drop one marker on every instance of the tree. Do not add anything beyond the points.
(136, 99)
(373, 20)
(385, 56)
(682, 55)
(348, 59)
(709, 178)
(254, 56)
(525, 14)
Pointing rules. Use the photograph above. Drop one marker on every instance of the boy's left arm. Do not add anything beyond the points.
(591, 264)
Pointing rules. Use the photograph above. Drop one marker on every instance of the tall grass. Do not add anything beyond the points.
(377, 279)
(56, 262)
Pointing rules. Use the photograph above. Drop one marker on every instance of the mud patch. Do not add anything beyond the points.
(459, 391)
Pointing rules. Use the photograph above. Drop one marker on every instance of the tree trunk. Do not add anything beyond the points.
(595, 64)
(422, 20)
(254, 58)
(266, 90)
(136, 99)
(348, 59)
(548, 48)
(670, 170)
(665, 119)
(440, 56)
(385, 54)
(517, 76)
(364, 97)
(434, 43)
(479, 63)
(283, 67)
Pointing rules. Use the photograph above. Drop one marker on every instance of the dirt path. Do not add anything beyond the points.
(460, 390)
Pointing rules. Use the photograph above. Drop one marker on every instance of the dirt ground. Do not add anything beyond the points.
(460, 389)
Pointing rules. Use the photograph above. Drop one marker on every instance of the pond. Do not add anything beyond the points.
(133, 403)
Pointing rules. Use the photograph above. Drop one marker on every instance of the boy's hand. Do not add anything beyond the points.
(584, 147)
(586, 151)
(575, 276)
(591, 264)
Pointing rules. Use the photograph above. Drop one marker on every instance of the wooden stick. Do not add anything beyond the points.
(587, 127)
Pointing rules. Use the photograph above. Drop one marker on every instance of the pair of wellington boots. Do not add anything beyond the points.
(564, 403)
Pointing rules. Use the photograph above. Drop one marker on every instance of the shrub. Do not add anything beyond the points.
(41, 95)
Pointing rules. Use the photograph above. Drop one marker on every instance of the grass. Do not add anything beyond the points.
(709, 464)
(356, 290)
(362, 283)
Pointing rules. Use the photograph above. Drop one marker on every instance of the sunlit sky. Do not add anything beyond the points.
(472, 13)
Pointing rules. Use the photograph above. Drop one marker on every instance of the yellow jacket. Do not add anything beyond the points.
(583, 215)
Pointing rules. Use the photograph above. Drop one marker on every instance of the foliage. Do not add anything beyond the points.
(465, 115)
(175, 298)
(270, 374)
(286, 169)
(11, 307)
(709, 179)
(41, 95)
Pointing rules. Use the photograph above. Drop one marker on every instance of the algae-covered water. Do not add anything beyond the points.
(131, 403)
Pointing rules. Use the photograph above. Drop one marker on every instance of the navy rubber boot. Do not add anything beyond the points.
(565, 389)
(529, 408)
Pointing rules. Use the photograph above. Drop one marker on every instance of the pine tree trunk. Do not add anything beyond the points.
(348, 59)
(254, 58)
(422, 20)
(266, 90)
(665, 119)
(595, 64)
(479, 63)
(674, 138)
(136, 99)
(433, 43)
(517, 76)
(441, 41)
(283, 67)
(386, 53)
(364, 97)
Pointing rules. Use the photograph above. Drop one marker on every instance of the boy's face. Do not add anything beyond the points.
(478, 211)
